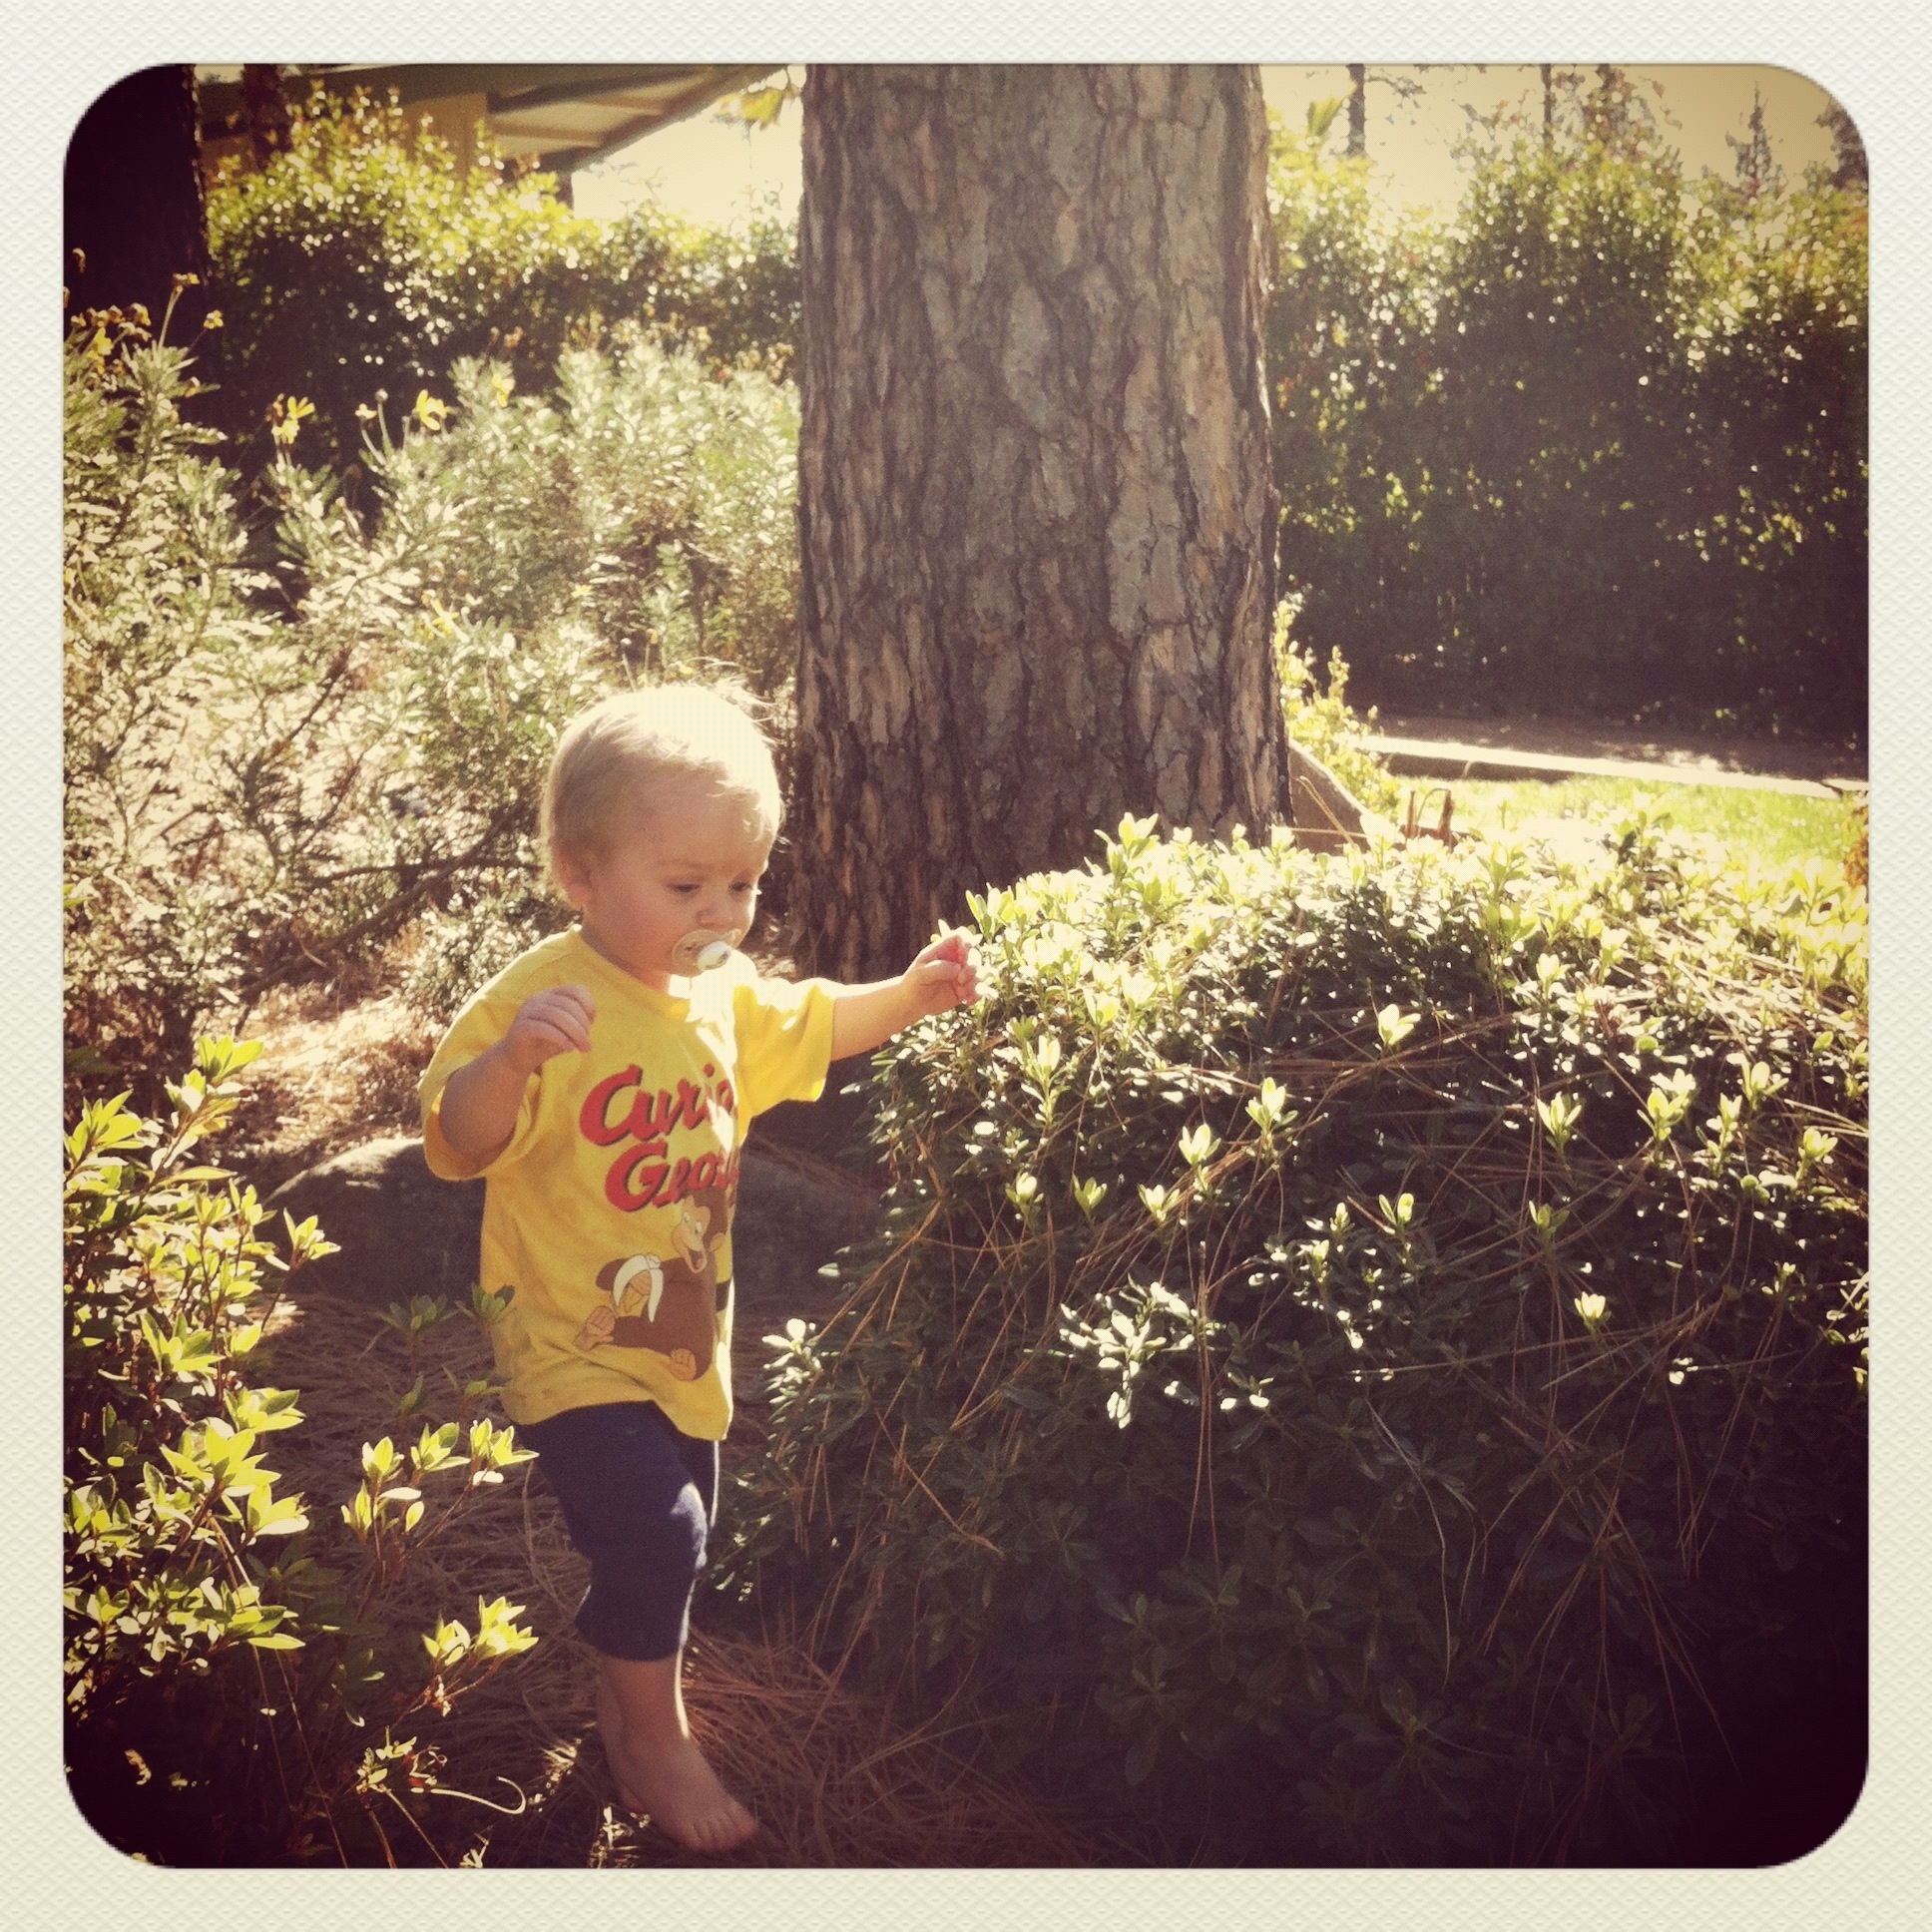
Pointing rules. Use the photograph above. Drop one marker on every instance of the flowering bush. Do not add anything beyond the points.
(1363, 1354)
(271, 774)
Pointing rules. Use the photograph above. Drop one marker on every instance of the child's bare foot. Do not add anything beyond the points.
(673, 1787)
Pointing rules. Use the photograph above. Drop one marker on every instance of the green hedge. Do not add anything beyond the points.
(1594, 445)
(361, 259)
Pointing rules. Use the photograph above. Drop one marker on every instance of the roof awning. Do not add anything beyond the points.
(565, 116)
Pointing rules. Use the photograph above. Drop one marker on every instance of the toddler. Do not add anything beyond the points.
(603, 1082)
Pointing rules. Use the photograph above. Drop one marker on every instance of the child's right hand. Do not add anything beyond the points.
(557, 1019)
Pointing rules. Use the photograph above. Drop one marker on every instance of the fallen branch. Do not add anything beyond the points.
(1323, 813)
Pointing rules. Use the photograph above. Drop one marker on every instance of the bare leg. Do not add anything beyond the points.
(658, 1770)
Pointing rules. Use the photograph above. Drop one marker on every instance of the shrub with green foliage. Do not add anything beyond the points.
(185, 823)
(636, 523)
(1352, 386)
(1319, 719)
(640, 499)
(729, 294)
(238, 805)
(1594, 445)
(363, 259)
(1362, 1353)
(229, 1698)
(269, 775)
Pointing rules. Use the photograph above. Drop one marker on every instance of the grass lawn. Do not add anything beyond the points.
(1779, 827)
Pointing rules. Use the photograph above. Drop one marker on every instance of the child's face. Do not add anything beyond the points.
(688, 859)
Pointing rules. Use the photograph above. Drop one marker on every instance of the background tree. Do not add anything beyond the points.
(1594, 444)
(266, 108)
(1401, 85)
(1849, 170)
(132, 197)
(1035, 502)
(1756, 165)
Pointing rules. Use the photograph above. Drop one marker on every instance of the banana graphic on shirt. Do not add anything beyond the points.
(627, 1272)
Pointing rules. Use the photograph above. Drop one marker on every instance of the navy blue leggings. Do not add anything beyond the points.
(639, 1495)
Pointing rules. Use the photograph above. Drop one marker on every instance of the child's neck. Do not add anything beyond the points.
(658, 982)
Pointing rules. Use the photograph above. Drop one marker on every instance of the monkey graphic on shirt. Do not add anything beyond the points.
(668, 1303)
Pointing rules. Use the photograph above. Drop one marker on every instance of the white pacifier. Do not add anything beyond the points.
(703, 951)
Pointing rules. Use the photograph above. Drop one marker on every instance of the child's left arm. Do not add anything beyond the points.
(945, 975)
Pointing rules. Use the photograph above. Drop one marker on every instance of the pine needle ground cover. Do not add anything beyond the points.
(1363, 1357)
(260, 1673)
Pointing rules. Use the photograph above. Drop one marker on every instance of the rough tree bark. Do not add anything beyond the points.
(1036, 509)
(133, 199)
(266, 109)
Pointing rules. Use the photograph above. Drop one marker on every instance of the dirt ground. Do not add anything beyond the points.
(340, 1066)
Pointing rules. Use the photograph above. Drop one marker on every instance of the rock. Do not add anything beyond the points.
(794, 1212)
(833, 1127)
(403, 1233)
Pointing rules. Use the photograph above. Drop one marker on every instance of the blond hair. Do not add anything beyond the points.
(609, 757)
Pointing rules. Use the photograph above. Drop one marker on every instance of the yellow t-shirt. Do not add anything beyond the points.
(609, 1210)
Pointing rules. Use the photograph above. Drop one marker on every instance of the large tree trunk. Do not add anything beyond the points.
(266, 109)
(133, 199)
(1036, 509)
